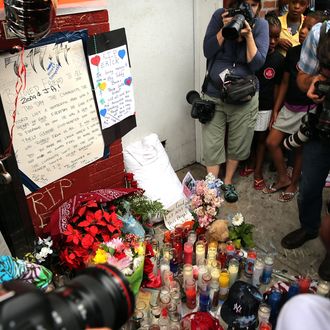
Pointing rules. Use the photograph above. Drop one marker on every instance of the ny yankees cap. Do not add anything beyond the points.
(241, 307)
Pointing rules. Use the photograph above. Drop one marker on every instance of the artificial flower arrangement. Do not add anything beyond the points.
(99, 227)
(206, 201)
(240, 232)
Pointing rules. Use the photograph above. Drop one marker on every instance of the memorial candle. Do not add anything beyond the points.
(190, 291)
(187, 272)
(188, 253)
(233, 269)
(200, 252)
(322, 288)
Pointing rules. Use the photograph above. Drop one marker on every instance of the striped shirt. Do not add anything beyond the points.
(308, 62)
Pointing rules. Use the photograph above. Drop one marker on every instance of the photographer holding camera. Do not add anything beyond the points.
(235, 47)
(314, 71)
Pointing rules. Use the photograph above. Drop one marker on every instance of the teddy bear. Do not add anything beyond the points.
(218, 231)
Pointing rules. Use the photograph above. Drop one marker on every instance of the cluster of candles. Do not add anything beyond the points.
(200, 273)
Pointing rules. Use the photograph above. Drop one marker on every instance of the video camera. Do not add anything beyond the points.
(99, 297)
(313, 123)
(202, 110)
(242, 13)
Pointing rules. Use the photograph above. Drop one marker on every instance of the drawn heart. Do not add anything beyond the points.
(122, 53)
(128, 81)
(96, 60)
(102, 86)
(103, 112)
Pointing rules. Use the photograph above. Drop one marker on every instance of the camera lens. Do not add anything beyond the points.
(192, 96)
(100, 296)
(232, 30)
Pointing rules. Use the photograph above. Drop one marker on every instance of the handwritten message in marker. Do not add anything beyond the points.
(113, 85)
(57, 129)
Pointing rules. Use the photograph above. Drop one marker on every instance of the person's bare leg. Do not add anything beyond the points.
(214, 169)
(273, 142)
(296, 172)
(231, 166)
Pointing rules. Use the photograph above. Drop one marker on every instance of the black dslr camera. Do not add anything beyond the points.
(232, 30)
(201, 109)
(313, 124)
(99, 297)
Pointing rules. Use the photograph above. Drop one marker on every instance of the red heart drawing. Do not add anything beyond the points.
(96, 60)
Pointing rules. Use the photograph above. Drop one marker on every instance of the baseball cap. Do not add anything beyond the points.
(241, 306)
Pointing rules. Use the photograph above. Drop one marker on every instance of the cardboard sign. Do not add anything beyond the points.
(177, 215)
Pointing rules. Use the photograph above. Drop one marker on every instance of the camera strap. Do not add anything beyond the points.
(207, 78)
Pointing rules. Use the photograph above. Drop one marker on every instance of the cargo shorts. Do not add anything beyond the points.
(240, 120)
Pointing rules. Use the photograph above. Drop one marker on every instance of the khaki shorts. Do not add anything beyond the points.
(241, 121)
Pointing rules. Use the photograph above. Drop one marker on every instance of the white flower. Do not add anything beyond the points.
(127, 271)
(238, 219)
(137, 262)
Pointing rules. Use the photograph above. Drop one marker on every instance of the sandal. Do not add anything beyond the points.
(230, 194)
(259, 184)
(272, 189)
(246, 171)
(287, 196)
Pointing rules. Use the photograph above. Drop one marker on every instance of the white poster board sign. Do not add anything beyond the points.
(57, 130)
(113, 85)
(177, 215)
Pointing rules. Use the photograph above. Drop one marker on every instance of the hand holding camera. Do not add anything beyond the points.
(313, 91)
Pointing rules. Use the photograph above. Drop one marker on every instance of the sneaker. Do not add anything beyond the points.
(230, 193)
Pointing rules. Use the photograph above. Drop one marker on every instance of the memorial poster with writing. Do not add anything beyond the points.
(109, 64)
(57, 130)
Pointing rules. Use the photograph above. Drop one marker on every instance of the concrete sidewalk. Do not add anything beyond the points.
(272, 220)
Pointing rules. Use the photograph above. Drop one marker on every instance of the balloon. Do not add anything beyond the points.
(30, 20)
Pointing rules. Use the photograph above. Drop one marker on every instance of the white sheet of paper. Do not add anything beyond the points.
(57, 130)
(113, 85)
(177, 215)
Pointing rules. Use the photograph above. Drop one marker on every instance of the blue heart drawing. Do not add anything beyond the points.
(128, 81)
(103, 112)
(122, 53)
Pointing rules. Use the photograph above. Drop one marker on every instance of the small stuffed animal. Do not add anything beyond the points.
(218, 231)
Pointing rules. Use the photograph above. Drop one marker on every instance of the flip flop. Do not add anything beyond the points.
(246, 171)
(259, 184)
(271, 189)
(286, 196)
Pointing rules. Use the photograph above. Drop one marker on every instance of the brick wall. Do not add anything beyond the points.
(268, 5)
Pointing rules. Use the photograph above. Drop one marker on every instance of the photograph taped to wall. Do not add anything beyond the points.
(57, 129)
(113, 85)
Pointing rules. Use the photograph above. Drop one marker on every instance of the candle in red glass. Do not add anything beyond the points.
(190, 291)
(177, 245)
(188, 253)
(304, 284)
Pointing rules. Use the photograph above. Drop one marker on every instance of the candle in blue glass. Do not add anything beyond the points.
(293, 290)
(274, 301)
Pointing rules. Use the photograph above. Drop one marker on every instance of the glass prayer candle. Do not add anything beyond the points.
(200, 252)
(174, 264)
(258, 270)
(168, 278)
(187, 272)
(293, 290)
(167, 249)
(230, 250)
(233, 268)
(249, 264)
(224, 284)
(213, 247)
(322, 288)
(215, 274)
(304, 284)
(202, 269)
(177, 245)
(192, 237)
(164, 266)
(222, 257)
(204, 293)
(214, 294)
(265, 326)
(268, 269)
(263, 312)
(190, 291)
(167, 237)
(188, 253)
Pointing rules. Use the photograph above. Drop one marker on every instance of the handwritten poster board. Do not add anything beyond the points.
(57, 129)
(113, 83)
(178, 214)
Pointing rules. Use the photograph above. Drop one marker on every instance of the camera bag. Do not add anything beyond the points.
(238, 90)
